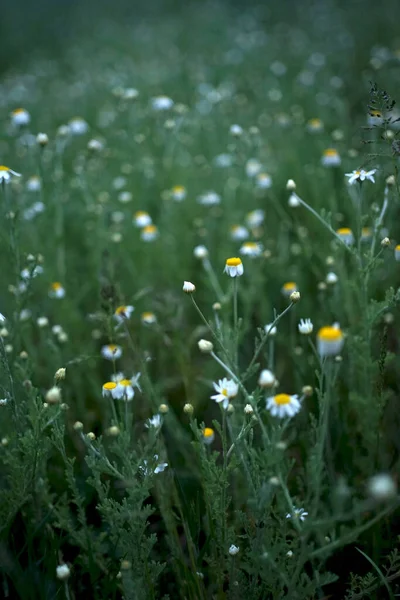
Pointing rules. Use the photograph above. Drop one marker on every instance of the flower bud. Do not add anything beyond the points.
(295, 297)
(205, 346)
(60, 374)
(188, 287)
(188, 409)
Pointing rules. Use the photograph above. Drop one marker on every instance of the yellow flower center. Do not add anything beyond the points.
(112, 348)
(3, 168)
(233, 262)
(344, 231)
(330, 334)
(56, 286)
(397, 247)
(290, 285)
(282, 399)
(224, 392)
(208, 432)
(178, 189)
(375, 113)
(125, 382)
(315, 122)
(330, 152)
(366, 231)
(120, 310)
(141, 213)
(18, 111)
(251, 245)
(150, 229)
(110, 385)
(147, 315)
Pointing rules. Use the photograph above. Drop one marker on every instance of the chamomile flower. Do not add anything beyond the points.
(397, 252)
(233, 550)
(141, 219)
(253, 167)
(315, 125)
(298, 513)
(149, 233)
(294, 200)
(7, 174)
(200, 252)
(31, 273)
(305, 326)
(361, 175)
(263, 181)
(188, 287)
(56, 290)
(331, 158)
(20, 116)
(239, 233)
(123, 312)
(33, 184)
(283, 405)
(148, 318)
(77, 126)
(160, 103)
(270, 329)
(111, 352)
(366, 234)
(209, 198)
(208, 435)
(111, 389)
(234, 267)
(226, 390)
(346, 235)
(288, 288)
(126, 389)
(236, 130)
(178, 193)
(252, 249)
(330, 340)
(266, 379)
(160, 468)
(154, 422)
(375, 118)
(255, 218)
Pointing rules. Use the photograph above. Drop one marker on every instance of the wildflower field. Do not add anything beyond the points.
(200, 255)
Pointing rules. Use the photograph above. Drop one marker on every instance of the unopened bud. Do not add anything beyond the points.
(290, 185)
(53, 396)
(42, 139)
(78, 426)
(385, 242)
(91, 436)
(188, 287)
(205, 346)
(307, 390)
(188, 409)
(295, 297)
(248, 409)
(113, 431)
(60, 374)
(163, 409)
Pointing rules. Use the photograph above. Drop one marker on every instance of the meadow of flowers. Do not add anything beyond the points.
(199, 312)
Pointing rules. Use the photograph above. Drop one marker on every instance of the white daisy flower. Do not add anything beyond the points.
(56, 290)
(178, 193)
(31, 273)
(20, 116)
(253, 167)
(6, 174)
(331, 158)
(266, 379)
(111, 389)
(200, 252)
(141, 218)
(234, 267)
(283, 405)
(188, 287)
(397, 252)
(270, 329)
(209, 198)
(95, 145)
(208, 435)
(78, 126)
(148, 318)
(305, 326)
(255, 218)
(33, 184)
(361, 175)
(111, 352)
(236, 130)
(298, 513)
(226, 390)
(126, 389)
(263, 181)
(161, 103)
(330, 341)
(294, 200)
(346, 235)
(233, 550)
(252, 249)
(123, 313)
(149, 233)
(239, 233)
(155, 422)
(158, 469)
(315, 125)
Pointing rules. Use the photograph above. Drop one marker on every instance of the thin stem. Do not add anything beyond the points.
(213, 279)
(235, 321)
(216, 338)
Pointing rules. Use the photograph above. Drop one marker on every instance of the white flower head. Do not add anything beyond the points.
(331, 158)
(111, 352)
(149, 233)
(253, 167)
(263, 181)
(255, 218)
(270, 329)
(123, 313)
(298, 513)
(233, 550)
(226, 390)
(20, 116)
(200, 252)
(283, 405)
(154, 422)
(234, 267)
(178, 193)
(141, 218)
(361, 175)
(111, 389)
(330, 341)
(56, 290)
(2, 318)
(188, 287)
(239, 233)
(236, 130)
(33, 184)
(209, 198)
(382, 487)
(63, 572)
(294, 200)
(305, 326)
(160, 103)
(6, 174)
(251, 249)
(78, 126)
(266, 379)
